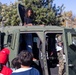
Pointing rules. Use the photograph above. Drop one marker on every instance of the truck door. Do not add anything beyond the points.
(12, 42)
(70, 52)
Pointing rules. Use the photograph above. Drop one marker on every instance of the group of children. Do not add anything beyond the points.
(21, 63)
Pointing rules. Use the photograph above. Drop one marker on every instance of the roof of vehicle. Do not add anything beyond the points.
(33, 28)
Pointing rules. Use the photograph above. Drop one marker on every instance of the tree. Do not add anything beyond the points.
(45, 12)
(69, 19)
(9, 14)
(0, 7)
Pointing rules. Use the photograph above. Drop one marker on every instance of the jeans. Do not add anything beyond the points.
(29, 42)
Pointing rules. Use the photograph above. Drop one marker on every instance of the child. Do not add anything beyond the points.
(28, 21)
(25, 58)
(15, 63)
(4, 53)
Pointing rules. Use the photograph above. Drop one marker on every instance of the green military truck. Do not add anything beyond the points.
(43, 44)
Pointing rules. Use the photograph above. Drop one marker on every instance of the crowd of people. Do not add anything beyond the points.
(21, 64)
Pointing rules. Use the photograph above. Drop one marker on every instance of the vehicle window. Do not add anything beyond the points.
(74, 39)
(2, 40)
(9, 40)
(73, 45)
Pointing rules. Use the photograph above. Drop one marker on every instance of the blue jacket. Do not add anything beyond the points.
(27, 71)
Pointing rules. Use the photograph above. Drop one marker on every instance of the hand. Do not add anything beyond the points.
(42, 25)
(30, 24)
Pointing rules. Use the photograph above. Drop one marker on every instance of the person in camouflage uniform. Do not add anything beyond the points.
(59, 48)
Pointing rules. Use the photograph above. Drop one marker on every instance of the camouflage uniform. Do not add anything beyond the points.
(61, 62)
(59, 47)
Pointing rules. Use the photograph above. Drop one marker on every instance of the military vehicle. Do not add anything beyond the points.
(44, 43)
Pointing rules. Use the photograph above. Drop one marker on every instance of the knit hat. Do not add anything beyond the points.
(4, 53)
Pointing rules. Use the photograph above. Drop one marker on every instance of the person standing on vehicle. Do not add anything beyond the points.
(28, 21)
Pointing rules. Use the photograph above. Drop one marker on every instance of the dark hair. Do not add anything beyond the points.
(26, 13)
(16, 63)
(25, 58)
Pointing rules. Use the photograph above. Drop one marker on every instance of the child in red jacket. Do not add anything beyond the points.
(4, 70)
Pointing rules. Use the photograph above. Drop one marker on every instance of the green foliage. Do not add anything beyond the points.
(9, 14)
(45, 12)
(0, 7)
